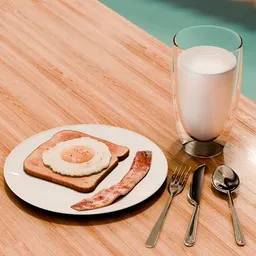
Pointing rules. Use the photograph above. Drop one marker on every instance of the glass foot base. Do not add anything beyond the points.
(203, 149)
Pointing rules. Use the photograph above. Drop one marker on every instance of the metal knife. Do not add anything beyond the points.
(194, 196)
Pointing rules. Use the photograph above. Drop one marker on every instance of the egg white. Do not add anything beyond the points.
(100, 160)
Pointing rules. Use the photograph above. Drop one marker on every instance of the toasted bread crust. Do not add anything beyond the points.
(34, 165)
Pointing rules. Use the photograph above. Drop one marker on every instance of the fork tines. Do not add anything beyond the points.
(180, 175)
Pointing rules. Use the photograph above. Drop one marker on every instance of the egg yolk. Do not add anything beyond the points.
(77, 154)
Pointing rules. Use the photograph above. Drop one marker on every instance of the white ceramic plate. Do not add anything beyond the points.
(57, 198)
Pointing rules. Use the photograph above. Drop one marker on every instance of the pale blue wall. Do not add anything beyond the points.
(163, 18)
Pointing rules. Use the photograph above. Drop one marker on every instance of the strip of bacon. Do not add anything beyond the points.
(140, 167)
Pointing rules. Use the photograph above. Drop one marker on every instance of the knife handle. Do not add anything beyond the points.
(190, 237)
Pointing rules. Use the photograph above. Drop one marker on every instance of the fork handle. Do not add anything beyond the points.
(190, 237)
(152, 239)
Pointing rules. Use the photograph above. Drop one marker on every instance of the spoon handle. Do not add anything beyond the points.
(240, 240)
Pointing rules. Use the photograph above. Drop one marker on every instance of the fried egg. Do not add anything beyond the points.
(77, 157)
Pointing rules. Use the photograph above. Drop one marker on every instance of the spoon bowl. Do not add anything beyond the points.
(224, 179)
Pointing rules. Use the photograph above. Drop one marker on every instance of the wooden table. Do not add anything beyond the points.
(67, 62)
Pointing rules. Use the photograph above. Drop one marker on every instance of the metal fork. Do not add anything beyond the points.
(177, 184)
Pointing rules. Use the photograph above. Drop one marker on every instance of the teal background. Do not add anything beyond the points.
(163, 18)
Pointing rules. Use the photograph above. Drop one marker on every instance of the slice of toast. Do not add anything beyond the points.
(34, 165)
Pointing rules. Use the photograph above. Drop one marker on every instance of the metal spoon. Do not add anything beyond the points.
(225, 180)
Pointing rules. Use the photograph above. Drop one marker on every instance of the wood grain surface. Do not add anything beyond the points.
(67, 62)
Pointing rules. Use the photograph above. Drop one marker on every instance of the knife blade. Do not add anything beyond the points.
(196, 185)
(194, 197)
